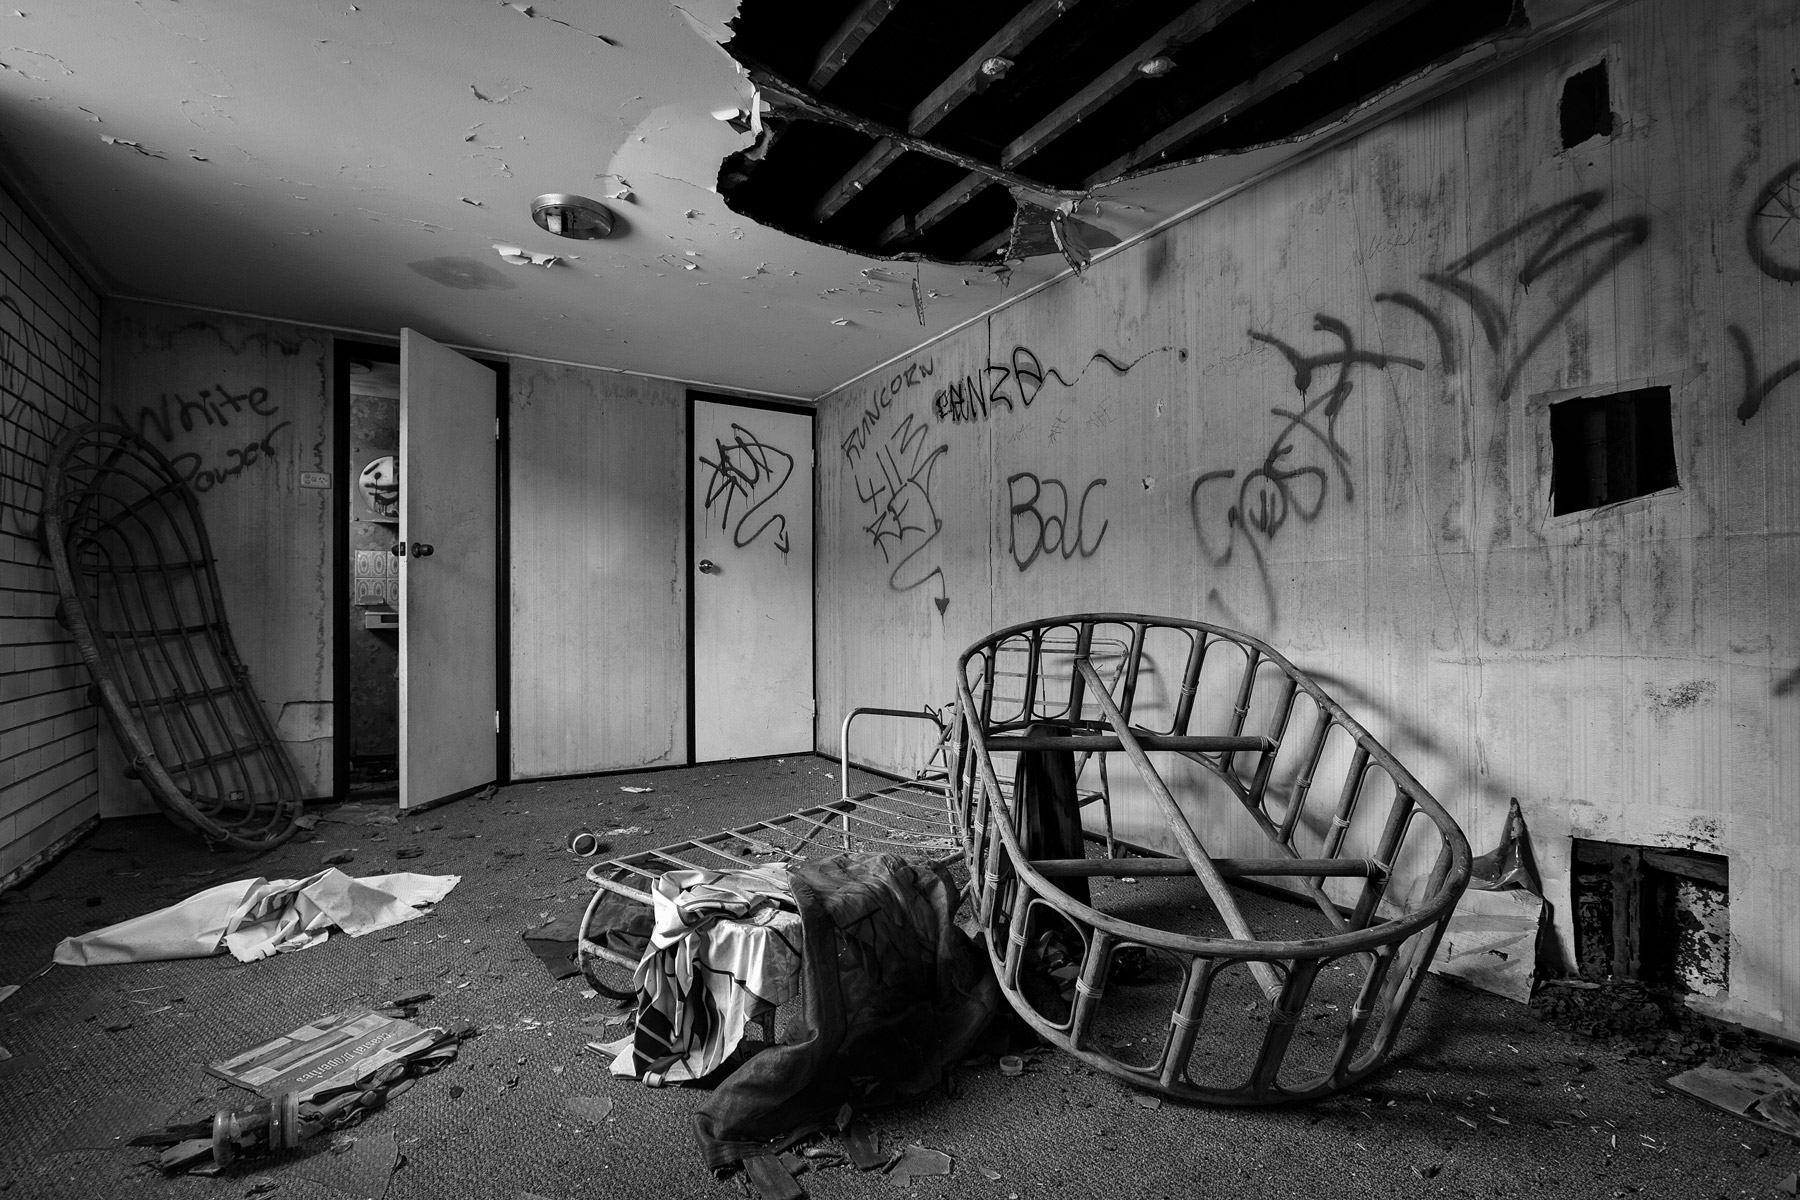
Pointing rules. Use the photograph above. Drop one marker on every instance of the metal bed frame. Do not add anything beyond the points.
(913, 818)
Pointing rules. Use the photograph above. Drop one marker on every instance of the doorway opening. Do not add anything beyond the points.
(368, 598)
(464, 593)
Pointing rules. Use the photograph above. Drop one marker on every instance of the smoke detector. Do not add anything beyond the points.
(572, 216)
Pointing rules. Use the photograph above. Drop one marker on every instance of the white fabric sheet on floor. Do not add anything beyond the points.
(727, 947)
(254, 918)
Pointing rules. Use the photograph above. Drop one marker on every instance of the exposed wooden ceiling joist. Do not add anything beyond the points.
(992, 246)
(792, 100)
(1009, 42)
(959, 194)
(853, 181)
(848, 38)
(1285, 72)
(1195, 23)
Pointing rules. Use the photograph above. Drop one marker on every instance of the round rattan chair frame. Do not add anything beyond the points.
(140, 597)
(1057, 700)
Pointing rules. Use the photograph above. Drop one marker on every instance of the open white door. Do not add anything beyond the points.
(752, 583)
(448, 525)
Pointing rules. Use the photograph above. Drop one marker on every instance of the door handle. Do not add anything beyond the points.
(708, 566)
(421, 549)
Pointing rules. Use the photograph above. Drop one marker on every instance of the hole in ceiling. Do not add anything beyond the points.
(906, 128)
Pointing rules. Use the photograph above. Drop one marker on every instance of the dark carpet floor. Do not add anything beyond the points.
(1483, 1100)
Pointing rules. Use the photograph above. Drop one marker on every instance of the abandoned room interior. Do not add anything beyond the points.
(1050, 598)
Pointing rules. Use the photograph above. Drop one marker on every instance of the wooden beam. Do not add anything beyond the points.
(1192, 25)
(794, 100)
(960, 193)
(990, 246)
(898, 230)
(1008, 42)
(1012, 39)
(850, 36)
(847, 188)
(1284, 73)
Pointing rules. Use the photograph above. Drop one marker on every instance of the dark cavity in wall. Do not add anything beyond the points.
(1605, 449)
(1653, 914)
(1586, 108)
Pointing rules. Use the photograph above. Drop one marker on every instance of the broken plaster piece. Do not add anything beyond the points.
(841, 321)
(520, 257)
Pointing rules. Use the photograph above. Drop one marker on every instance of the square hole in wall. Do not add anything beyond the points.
(1653, 914)
(1586, 108)
(1605, 449)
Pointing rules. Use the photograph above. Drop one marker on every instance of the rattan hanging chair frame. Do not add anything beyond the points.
(140, 596)
(1034, 689)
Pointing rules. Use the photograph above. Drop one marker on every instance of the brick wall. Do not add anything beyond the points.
(49, 380)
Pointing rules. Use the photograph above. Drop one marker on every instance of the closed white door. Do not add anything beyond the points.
(752, 580)
(448, 525)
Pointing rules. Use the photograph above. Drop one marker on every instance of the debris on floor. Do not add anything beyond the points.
(336, 1051)
(585, 843)
(1761, 1094)
(725, 951)
(862, 1143)
(321, 1077)
(590, 1110)
(359, 814)
(108, 1122)
(895, 995)
(1493, 936)
(359, 1164)
(1651, 1021)
(254, 918)
(771, 1179)
(915, 1162)
(554, 943)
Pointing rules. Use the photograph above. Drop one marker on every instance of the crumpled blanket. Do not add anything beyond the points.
(894, 993)
(725, 948)
(254, 918)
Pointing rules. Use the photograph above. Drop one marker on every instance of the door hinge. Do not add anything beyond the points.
(496, 429)
(496, 720)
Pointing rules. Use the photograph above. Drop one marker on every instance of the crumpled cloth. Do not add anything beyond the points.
(725, 948)
(894, 994)
(254, 918)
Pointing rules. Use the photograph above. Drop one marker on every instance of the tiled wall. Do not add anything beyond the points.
(49, 380)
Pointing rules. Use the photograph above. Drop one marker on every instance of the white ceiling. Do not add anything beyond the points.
(337, 162)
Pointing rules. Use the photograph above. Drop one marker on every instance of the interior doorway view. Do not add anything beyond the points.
(371, 471)
(419, 692)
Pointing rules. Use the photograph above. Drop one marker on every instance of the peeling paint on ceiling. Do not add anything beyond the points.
(355, 164)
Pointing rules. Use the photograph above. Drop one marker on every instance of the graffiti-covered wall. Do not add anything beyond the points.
(1320, 412)
(242, 408)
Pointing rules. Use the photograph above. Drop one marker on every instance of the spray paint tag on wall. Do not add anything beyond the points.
(315, 479)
